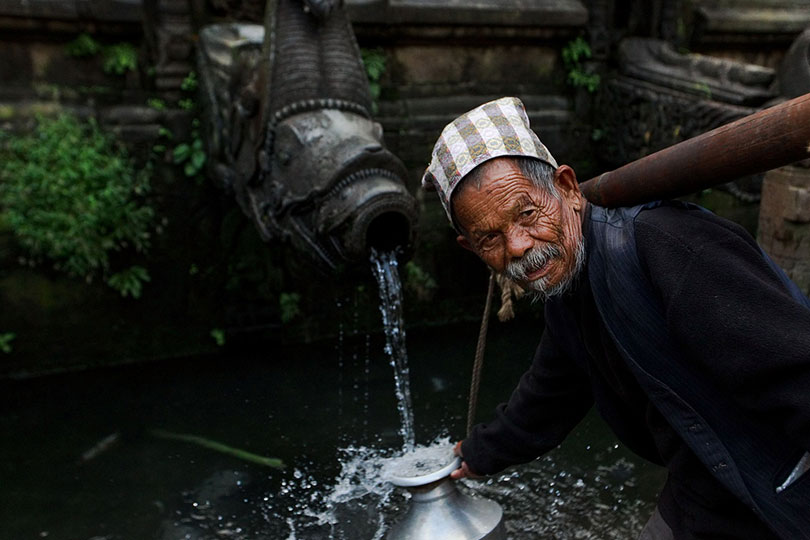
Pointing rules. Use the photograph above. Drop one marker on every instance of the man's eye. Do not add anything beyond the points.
(529, 212)
(489, 241)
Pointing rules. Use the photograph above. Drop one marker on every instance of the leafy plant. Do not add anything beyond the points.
(574, 54)
(703, 89)
(190, 83)
(71, 196)
(220, 447)
(289, 305)
(156, 103)
(374, 63)
(120, 58)
(419, 281)
(219, 336)
(5, 341)
(190, 155)
(129, 282)
(116, 59)
(83, 45)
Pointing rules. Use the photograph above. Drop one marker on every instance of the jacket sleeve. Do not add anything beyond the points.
(550, 400)
(732, 316)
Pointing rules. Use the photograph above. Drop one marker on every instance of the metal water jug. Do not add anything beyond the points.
(439, 511)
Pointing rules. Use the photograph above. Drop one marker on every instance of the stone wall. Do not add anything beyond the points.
(210, 270)
(784, 222)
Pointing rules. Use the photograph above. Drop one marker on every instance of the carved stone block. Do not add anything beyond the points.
(784, 221)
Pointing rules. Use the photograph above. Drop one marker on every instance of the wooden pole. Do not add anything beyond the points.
(765, 140)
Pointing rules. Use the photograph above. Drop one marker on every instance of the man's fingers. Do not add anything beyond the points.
(463, 472)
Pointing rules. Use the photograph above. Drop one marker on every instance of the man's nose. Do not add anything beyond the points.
(518, 242)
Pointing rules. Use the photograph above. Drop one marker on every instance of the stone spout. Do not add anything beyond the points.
(291, 135)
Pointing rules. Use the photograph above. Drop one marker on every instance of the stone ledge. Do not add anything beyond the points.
(551, 13)
(752, 23)
(755, 19)
(85, 10)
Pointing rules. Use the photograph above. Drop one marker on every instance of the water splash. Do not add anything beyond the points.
(422, 460)
(384, 267)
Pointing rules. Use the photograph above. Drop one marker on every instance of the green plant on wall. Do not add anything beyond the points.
(129, 282)
(218, 335)
(419, 282)
(84, 45)
(190, 154)
(289, 304)
(117, 59)
(5, 342)
(190, 82)
(574, 55)
(374, 64)
(73, 198)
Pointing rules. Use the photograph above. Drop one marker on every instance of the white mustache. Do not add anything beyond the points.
(535, 259)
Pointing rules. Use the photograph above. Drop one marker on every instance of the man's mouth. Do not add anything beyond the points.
(538, 272)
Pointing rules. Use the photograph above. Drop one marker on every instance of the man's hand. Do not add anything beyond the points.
(464, 470)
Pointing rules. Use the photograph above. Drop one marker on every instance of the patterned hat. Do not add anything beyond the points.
(494, 129)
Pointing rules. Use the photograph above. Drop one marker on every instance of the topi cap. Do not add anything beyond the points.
(494, 129)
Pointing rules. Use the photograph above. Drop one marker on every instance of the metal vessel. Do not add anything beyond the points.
(439, 511)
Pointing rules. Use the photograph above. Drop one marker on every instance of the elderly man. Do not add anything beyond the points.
(693, 346)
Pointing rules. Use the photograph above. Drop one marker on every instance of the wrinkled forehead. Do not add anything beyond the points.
(496, 188)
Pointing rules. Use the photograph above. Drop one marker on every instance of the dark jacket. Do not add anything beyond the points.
(698, 356)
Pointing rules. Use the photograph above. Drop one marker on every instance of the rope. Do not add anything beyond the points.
(479, 355)
(510, 291)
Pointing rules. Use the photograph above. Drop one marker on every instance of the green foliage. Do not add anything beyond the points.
(190, 155)
(5, 342)
(116, 59)
(703, 89)
(219, 336)
(156, 103)
(374, 64)
(129, 282)
(220, 447)
(419, 281)
(190, 83)
(72, 197)
(83, 45)
(120, 58)
(289, 303)
(574, 54)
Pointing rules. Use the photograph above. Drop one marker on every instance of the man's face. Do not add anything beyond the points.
(520, 229)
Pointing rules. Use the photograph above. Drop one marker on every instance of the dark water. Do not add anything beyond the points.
(302, 405)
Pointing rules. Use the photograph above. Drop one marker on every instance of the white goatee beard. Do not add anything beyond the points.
(537, 257)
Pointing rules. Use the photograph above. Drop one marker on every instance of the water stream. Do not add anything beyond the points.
(384, 267)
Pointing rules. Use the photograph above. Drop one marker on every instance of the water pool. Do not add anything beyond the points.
(78, 459)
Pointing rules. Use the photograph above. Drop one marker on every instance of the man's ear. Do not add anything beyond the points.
(565, 179)
(463, 242)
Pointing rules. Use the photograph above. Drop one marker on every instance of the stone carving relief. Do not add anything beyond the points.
(662, 97)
